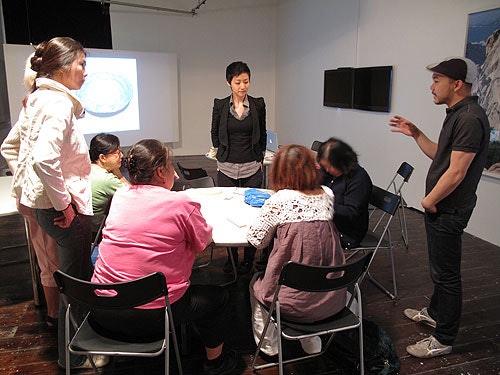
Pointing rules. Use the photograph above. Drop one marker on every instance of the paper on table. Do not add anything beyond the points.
(236, 220)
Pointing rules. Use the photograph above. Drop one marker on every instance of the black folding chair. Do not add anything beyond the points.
(385, 204)
(315, 145)
(87, 341)
(191, 173)
(201, 182)
(401, 177)
(317, 279)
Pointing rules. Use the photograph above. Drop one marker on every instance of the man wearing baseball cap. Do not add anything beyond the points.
(458, 159)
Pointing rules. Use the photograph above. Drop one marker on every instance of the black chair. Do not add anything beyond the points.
(191, 173)
(201, 182)
(385, 204)
(317, 279)
(401, 177)
(5, 172)
(315, 145)
(87, 341)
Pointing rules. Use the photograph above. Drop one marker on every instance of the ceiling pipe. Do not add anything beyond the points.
(191, 12)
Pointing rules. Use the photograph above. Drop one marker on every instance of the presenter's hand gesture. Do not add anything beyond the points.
(401, 125)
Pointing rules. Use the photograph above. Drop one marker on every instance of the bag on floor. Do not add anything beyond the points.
(379, 353)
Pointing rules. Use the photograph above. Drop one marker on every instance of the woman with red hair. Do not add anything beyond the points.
(298, 220)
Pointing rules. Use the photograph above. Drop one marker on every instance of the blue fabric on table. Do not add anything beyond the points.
(255, 197)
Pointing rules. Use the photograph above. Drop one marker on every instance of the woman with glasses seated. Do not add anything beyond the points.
(149, 229)
(105, 176)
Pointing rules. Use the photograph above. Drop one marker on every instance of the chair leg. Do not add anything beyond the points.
(66, 339)
(361, 351)
(207, 263)
(394, 294)
(380, 286)
(402, 221)
(235, 270)
(393, 274)
(280, 348)
(176, 350)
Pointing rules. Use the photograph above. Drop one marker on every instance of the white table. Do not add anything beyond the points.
(7, 202)
(8, 207)
(225, 210)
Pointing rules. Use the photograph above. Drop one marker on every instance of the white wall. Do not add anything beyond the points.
(205, 44)
(313, 36)
(288, 44)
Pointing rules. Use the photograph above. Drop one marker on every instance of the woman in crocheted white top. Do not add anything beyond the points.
(297, 220)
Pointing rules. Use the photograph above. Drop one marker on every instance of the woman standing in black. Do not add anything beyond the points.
(239, 135)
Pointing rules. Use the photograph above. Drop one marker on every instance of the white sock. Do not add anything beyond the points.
(311, 345)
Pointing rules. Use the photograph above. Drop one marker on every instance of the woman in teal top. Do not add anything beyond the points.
(105, 176)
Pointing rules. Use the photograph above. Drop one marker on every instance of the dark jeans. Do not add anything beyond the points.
(254, 181)
(73, 245)
(206, 305)
(444, 242)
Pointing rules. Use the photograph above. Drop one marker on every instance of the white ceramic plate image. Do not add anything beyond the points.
(105, 93)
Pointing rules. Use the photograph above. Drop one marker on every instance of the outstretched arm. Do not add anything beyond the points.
(401, 125)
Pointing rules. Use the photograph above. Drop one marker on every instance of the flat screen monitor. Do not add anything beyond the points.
(338, 88)
(372, 88)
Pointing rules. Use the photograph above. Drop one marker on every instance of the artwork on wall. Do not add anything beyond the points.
(483, 47)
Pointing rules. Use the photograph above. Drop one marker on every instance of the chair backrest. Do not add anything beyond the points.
(315, 145)
(405, 170)
(191, 173)
(384, 200)
(202, 182)
(125, 295)
(321, 278)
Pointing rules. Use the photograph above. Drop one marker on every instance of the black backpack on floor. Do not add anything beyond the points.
(380, 355)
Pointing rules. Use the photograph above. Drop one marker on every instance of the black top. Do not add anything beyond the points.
(465, 128)
(240, 139)
(220, 133)
(352, 195)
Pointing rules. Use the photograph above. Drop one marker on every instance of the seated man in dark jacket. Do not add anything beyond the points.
(351, 186)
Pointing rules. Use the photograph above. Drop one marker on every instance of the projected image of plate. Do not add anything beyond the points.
(105, 93)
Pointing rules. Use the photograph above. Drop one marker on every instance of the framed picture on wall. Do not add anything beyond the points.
(483, 47)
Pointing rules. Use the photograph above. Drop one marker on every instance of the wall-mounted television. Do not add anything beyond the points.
(367, 88)
(372, 88)
(338, 88)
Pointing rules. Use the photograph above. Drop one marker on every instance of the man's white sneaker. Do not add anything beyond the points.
(428, 348)
(420, 316)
